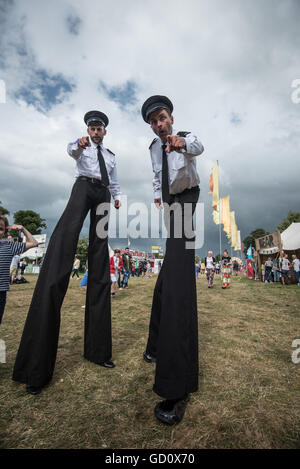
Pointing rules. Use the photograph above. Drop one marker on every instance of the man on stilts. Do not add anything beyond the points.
(96, 182)
(173, 330)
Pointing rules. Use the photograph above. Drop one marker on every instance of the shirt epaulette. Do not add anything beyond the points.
(110, 151)
(183, 134)
(153, 141)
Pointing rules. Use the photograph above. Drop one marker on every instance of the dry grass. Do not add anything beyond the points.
(249, 388)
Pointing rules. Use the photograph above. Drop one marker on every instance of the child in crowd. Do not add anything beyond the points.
(9, 249)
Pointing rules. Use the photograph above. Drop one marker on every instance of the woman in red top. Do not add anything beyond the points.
(116, 264)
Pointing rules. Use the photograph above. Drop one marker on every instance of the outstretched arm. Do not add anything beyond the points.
(31, 242)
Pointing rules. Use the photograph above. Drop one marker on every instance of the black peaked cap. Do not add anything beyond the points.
(154, 103)
(96, 116)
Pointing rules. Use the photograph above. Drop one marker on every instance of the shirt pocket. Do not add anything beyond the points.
(110, 164)
(177, 162)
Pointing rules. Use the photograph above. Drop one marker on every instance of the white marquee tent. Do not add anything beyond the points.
(290, 238)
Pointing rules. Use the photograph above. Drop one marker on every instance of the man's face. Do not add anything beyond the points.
(161, 123)
(126, 251)
(96, 132)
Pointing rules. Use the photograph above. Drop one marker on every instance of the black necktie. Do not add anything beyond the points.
(165, 176)
(103, 170)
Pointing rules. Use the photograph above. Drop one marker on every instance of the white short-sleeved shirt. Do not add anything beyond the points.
(285, 264)
(296, 264)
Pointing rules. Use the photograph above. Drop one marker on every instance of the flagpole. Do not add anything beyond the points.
(220, 234)
(219, 212)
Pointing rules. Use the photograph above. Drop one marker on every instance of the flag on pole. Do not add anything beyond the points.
(226, 214)
(249, 252)
(217, 213)
(214, 185)
(239, 243)
(233, 228)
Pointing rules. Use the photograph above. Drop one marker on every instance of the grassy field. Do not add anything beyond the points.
(249, 393)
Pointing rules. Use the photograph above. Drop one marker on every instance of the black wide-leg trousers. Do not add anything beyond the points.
(173, 330)
(36, 356)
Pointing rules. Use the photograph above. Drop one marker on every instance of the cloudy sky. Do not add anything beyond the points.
(228, 66)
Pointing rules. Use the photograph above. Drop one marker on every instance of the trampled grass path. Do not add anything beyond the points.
(249, 393)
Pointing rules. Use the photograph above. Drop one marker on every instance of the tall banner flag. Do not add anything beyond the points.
(217, 214)
(226, 215)
(239, 242)
(233, 228)
(214, 185)
(249, 252)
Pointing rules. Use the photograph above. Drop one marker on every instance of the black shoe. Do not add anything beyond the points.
(33, 389)
(171, 412)
(108, 364)
(148, 358)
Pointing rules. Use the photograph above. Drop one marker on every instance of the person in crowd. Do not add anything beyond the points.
(296, 267)
(197, 269)
(263, 271)
(210, 263)
(275, 270)
(9, 249)
(141, 268)
(268, 270)
(116, 265)
(96, 181)
(226, 269)
(235, 267)
(137, 268)
(14, 268)
(76, 266)
(217, 268)
(202, 271)
(22, 265)
(285, 268)
(127, 262)
(149, 270)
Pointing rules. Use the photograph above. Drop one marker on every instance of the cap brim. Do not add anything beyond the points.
(95, 121)
(155, 107)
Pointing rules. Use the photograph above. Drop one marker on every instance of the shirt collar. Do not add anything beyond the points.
(94, 145)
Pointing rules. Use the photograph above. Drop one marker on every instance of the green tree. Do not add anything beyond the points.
(3, 211)
(197, 258)
(292, 217)
(218, 257)
(82, 251)
(258, 233)
(30, 220)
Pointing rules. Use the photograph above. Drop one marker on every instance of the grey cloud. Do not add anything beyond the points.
(73, 24)
(124, 94)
